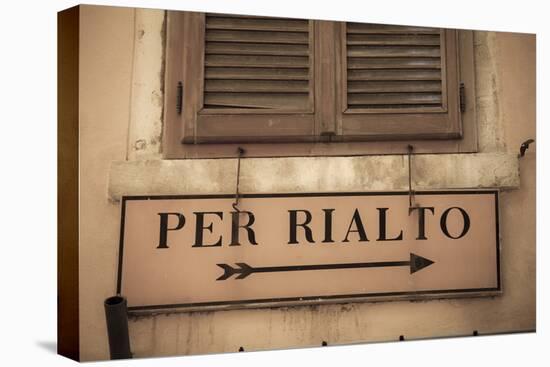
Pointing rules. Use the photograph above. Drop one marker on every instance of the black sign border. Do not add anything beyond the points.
(312, 300)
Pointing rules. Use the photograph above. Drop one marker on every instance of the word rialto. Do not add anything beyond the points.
(299, 229)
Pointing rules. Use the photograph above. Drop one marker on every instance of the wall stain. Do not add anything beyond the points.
(178, 322)
(189, 327)
(154, 140)
(140, 144)
(157, 99)
(153, 334)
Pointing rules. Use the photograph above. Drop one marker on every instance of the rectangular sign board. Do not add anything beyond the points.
(198, 252)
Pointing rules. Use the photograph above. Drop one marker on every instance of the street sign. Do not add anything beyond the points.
(198, 252)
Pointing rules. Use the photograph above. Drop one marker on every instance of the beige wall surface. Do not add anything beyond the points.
(112, 41)
(106, 38)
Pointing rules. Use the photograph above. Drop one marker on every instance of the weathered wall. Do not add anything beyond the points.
(516, 74)
(106, 43)
(113, 44)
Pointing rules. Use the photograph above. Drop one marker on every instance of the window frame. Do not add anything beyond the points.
(323, 136)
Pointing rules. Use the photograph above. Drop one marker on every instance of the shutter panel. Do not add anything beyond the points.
(398, 83)
(393, 67)
(256, 63)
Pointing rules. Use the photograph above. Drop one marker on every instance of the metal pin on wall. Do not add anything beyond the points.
(240, 152)
(412, 204)
(524, 146)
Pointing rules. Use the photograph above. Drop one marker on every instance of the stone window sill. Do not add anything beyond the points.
(313, 174)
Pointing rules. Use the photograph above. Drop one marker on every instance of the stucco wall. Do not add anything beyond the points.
(119, 105)
(106, 43)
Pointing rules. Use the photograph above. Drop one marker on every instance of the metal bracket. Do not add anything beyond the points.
(412, 204)
(240, 152)
(524, 146)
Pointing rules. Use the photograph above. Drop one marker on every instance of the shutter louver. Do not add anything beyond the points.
(394, 67)
(256, 63)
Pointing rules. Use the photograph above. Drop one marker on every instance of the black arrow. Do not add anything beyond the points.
(415, 263)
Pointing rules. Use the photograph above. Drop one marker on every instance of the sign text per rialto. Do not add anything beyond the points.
(300, 230)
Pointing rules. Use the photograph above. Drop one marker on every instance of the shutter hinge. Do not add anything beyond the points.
(462, 97)
(179, 98)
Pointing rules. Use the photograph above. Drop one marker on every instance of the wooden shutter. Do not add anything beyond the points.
(254, 82)
(246, 80)
(399, 82)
